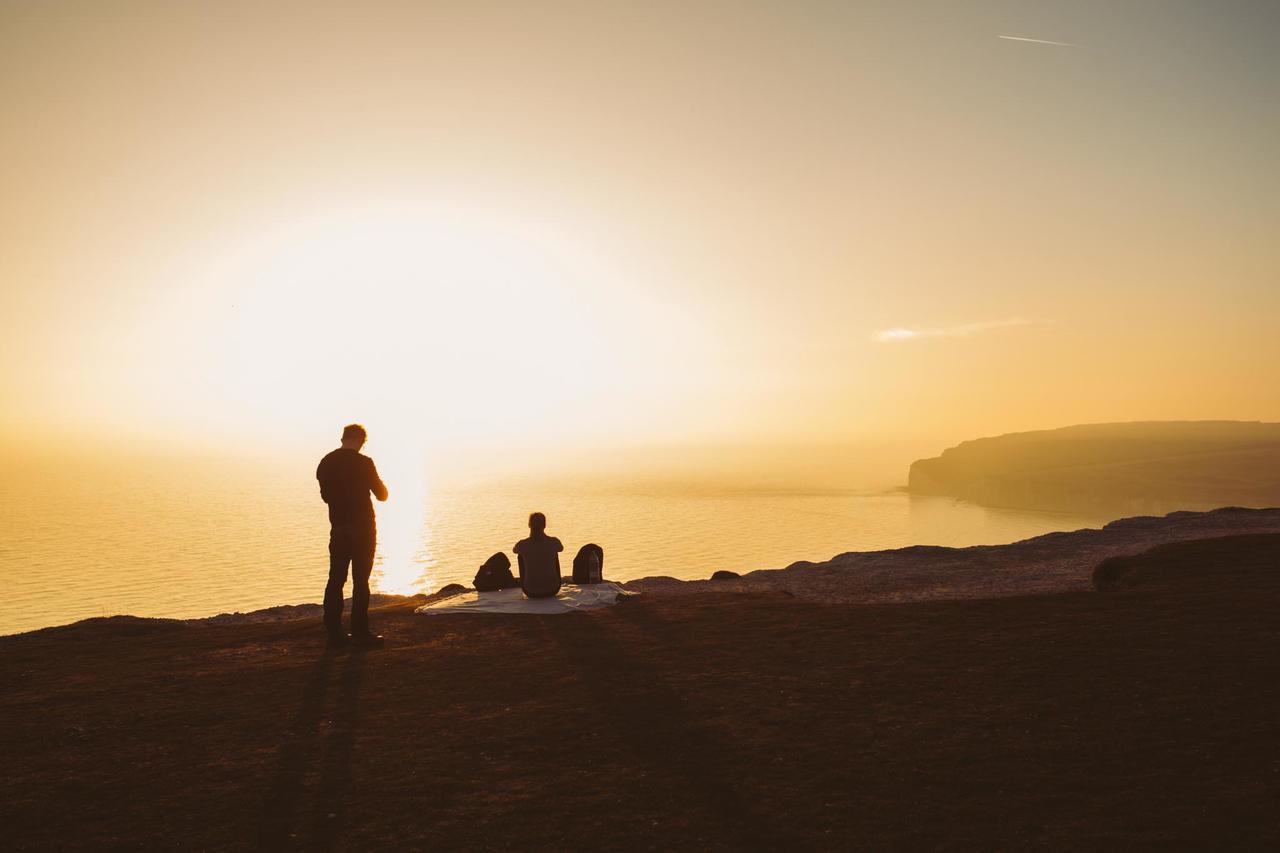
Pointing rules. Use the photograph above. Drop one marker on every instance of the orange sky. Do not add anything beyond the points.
(572, 226)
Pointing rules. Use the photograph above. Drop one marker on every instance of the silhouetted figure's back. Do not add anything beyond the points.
(539, 558)
(347, 479)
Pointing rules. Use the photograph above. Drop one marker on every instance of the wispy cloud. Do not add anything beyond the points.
(900, 333)
(1038, 41)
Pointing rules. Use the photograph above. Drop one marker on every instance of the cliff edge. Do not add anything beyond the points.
(1153, 466)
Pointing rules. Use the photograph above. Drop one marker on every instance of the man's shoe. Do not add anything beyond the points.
(367, 641)
(338, 641)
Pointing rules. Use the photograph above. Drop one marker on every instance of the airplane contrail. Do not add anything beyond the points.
(1039, 41)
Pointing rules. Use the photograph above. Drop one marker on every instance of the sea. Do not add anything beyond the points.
(175, 537)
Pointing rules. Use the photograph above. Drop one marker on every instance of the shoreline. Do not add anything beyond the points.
(1052, 562)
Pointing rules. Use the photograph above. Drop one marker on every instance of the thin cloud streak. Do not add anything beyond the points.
(900, 334)
(1039, 41)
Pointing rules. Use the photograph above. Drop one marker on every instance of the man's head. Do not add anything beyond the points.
(354, 436)
(537, 522)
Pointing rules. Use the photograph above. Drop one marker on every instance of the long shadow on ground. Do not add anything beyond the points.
(312, 740)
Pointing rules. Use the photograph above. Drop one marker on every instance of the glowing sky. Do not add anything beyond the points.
(559, 225)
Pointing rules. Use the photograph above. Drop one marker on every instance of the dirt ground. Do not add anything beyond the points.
(1140, 717)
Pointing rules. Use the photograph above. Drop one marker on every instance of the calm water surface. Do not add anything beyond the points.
(185, 539)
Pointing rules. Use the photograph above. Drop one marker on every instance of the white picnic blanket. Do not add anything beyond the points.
(570, 598)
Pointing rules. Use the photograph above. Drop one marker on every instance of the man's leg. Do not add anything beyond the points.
(361, 567)
(340, 554)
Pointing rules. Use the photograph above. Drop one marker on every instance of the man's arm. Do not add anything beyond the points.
(320, 475)
(378, 488)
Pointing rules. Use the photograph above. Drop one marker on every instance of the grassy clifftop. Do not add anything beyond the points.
(1142, 717)
(1130, 467)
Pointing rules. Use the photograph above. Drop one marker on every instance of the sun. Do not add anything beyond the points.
(455, 333)
(407, 315)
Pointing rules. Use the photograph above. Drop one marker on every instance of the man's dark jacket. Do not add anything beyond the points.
(347, 477)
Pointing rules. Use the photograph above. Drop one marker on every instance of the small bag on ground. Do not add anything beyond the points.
(495, 574)
(588, 564)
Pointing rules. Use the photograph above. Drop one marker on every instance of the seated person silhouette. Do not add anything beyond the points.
(539, 560)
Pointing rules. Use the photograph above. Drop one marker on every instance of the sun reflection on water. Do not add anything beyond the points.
(405, 563)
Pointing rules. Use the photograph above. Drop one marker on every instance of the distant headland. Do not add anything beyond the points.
(1151, 466)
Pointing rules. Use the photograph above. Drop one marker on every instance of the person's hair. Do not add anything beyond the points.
(537, 521)
(355, 431)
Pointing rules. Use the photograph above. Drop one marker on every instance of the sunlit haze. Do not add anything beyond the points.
(526, 425)
(607, 231)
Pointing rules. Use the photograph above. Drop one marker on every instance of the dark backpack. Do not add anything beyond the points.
(495, 574)
(588, 565)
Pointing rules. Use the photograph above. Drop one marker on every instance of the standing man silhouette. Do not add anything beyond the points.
(347, 477)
